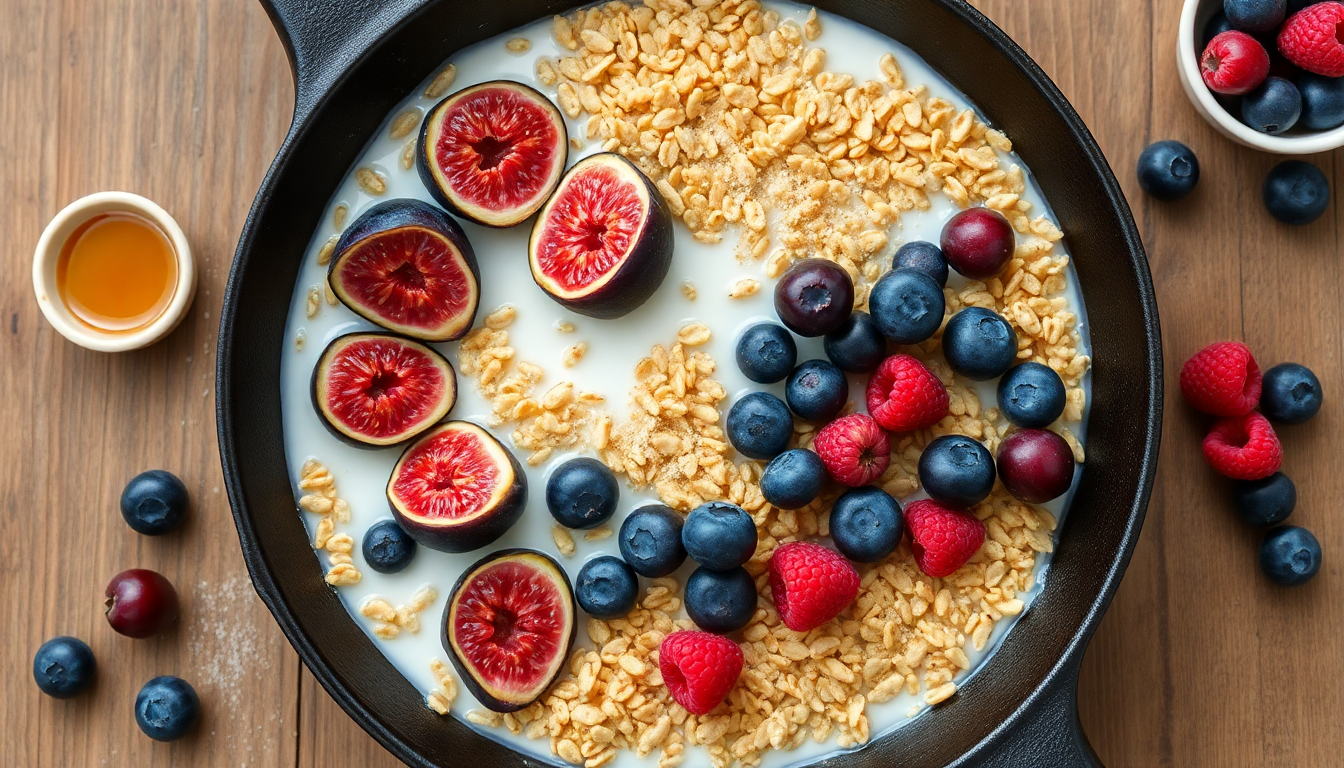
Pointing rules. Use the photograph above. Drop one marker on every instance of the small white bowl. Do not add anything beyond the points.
(1194, 16)
(49, 250)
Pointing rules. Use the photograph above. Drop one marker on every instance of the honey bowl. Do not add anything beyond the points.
(113, 272)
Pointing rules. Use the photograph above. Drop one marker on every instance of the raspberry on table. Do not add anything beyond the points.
(1311, 39)
(1243, 447)
(810, 584)
(1233, 63)
(1222, 379)
(854, 449)
(699, 668)
(942, 539)
(904, 395)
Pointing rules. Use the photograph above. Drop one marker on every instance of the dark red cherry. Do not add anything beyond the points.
(978, 243)
(140, 603)
(1035, 465)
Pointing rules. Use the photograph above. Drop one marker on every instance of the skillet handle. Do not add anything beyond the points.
(1048, 734)
(323, 37)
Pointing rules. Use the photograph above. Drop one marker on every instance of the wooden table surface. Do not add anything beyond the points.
(1200, 662)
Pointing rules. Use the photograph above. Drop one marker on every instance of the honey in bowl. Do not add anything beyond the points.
(117, 272)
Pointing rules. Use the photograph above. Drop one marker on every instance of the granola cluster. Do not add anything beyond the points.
(321, 499)
(391, 621)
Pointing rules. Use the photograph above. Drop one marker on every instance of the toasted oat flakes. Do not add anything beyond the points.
(441, 82)
(688, 290)
(573, 354)
(321, 499)
(744, 288)
(338, 218)
(519, 45)
(404, 123)
(329, 247)
(370, 181)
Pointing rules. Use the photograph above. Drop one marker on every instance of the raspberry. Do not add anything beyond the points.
(904, 395)
(941, 539)
(810, 584)
(1222, 379)
(1233, 63)
(699, 668)
(1243, 447)
(854, 449)
(1313, 39)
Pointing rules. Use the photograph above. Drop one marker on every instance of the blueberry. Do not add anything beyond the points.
(1255, 16)
(1291, 393)
(907, 305)
(387, 548)
(866, 524)
(858, 346)
(979, 344)
(1273, 107)
(793, 479)
(766, 353)
(606, 587)
(1168, 170)
(1322, 101)
(1296, 192)
(154, 502)
(64, 667)
(1215, 26)
(923, 256)
(167, 708)
(1264, 502)
(582, 493)
(650, 541)
(719, 536)
(759, 426)
(817, 390)
(1031, 395)
(720, 601)
(1290, 555)
(956, 471)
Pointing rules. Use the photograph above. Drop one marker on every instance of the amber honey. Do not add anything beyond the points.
(117, 272)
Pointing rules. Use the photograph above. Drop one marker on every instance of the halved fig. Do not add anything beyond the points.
(457, 488)
(492, 152)
(603, 242)
(407, 266)
(375, 389)
(508, 627)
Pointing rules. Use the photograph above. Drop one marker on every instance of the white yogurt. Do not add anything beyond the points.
(607, 368)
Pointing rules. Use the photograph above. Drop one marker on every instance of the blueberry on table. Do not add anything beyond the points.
(978, 344)
(923, 256)
(858, 345)
(766, 353)
(866, 524)
(387, 547)
(1255, 16)
(720, 601)
(719, 536)
(606, 587)
(582, 493)
(907, 305)
(64, 667)
(154, 502)
(167, 708)
(956, 471)
(759, 426)
(1031, 395)
(1268, 501)
(1168, 170)
(1290, 393)
(1296, 192)
(1289, 555)
(817, 390)
(793, 479)
(1322, 101)
(650, 541)
(1273, 107)
(814, 296)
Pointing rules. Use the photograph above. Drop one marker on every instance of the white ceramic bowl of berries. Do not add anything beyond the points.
(1298, 56)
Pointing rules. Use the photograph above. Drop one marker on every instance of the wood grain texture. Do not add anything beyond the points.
(1199, 662)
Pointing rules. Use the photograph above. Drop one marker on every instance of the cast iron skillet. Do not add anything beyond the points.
(354, 59)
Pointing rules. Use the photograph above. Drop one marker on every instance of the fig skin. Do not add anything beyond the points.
(395, 214)
(426, 173)
(478, 531)
(645, 266)
(464, 672)
(353, 441)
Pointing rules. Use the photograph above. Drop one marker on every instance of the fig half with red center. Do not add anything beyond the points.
(603, 243)
(457, 488)
(407, 266)
(376, 389)
(493, 152)
(508, 627)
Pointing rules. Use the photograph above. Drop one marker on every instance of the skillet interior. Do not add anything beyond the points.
(1038, 660)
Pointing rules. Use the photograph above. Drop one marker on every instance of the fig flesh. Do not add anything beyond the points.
(456, 488)
(603, 242)
(407, 266)
(375, 389)
(509, 626)
(493, 152)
